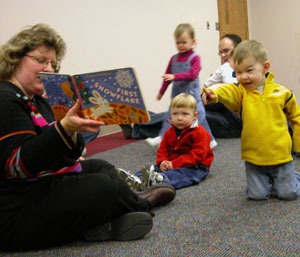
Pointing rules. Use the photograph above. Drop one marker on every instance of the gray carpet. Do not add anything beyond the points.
(213, 218)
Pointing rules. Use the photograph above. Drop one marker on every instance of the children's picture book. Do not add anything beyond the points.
(112, 96)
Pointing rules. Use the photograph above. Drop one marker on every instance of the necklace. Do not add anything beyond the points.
(17, 84)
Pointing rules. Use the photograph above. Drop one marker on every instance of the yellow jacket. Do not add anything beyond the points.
(265, 138)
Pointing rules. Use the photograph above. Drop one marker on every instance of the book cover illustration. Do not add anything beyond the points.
(111, 96)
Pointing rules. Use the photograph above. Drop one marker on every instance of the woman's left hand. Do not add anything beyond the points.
(73, 122)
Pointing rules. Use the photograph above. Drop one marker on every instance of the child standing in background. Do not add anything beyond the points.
(183, 70)
(266, 108)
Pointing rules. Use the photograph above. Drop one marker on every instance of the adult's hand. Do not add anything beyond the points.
(73, 122)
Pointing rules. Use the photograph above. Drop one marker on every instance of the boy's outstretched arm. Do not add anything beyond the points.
(208, 96)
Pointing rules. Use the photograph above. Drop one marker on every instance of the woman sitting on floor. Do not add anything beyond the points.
(47, 197)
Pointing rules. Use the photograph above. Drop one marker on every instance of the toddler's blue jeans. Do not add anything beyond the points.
(280, 180)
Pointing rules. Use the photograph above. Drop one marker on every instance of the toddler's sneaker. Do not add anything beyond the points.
(151, 177)
(213, 144)
(134, 182)
(153, 142)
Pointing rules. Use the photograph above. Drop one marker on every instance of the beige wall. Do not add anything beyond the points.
(276, 23)
(106, 34)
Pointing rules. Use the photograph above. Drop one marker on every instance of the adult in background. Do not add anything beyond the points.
(47, 197)
(223, 122)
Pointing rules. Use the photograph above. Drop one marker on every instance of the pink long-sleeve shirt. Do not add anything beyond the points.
(192, 74)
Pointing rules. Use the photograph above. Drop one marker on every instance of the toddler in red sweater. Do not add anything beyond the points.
(184, 155)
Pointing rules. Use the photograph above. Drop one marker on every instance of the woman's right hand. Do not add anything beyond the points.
(73, 122)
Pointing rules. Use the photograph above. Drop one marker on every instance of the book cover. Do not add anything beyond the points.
(111, 96)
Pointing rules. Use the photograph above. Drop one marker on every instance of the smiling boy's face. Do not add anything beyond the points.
(251, 73)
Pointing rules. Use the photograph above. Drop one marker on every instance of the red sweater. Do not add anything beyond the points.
(189, 149)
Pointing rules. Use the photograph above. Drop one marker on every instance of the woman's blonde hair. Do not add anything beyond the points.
(184, 100)
(25, 41)
(184, 27)
(249, 48)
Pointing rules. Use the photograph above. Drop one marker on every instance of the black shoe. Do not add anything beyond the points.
(158, 195)
(126, 128)
(130, 226)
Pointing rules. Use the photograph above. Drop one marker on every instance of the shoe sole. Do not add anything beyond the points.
(130, 226)
(155, 186)
(146, 175)
(133, 184)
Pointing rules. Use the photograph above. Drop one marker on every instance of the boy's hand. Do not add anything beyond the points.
(165, 165)
(168, 77)
(207, 96)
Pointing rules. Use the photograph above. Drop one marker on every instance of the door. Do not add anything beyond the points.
(233, 18)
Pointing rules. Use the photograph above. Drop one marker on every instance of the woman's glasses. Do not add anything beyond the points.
(42, 61)
(225, 51)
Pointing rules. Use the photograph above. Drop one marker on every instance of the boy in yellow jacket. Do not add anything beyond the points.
(265, 108)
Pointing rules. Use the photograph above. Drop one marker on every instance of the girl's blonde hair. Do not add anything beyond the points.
(184, 100)
(249, 48)
(12, 52)
(184, 27)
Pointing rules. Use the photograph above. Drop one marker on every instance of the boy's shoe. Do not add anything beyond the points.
(158, 195)
(126, 129)
(130, 226)
(153, 142)
(213, 144)
(151, 177)
(134, 182)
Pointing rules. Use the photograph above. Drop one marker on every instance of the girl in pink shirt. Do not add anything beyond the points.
(183, 70)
